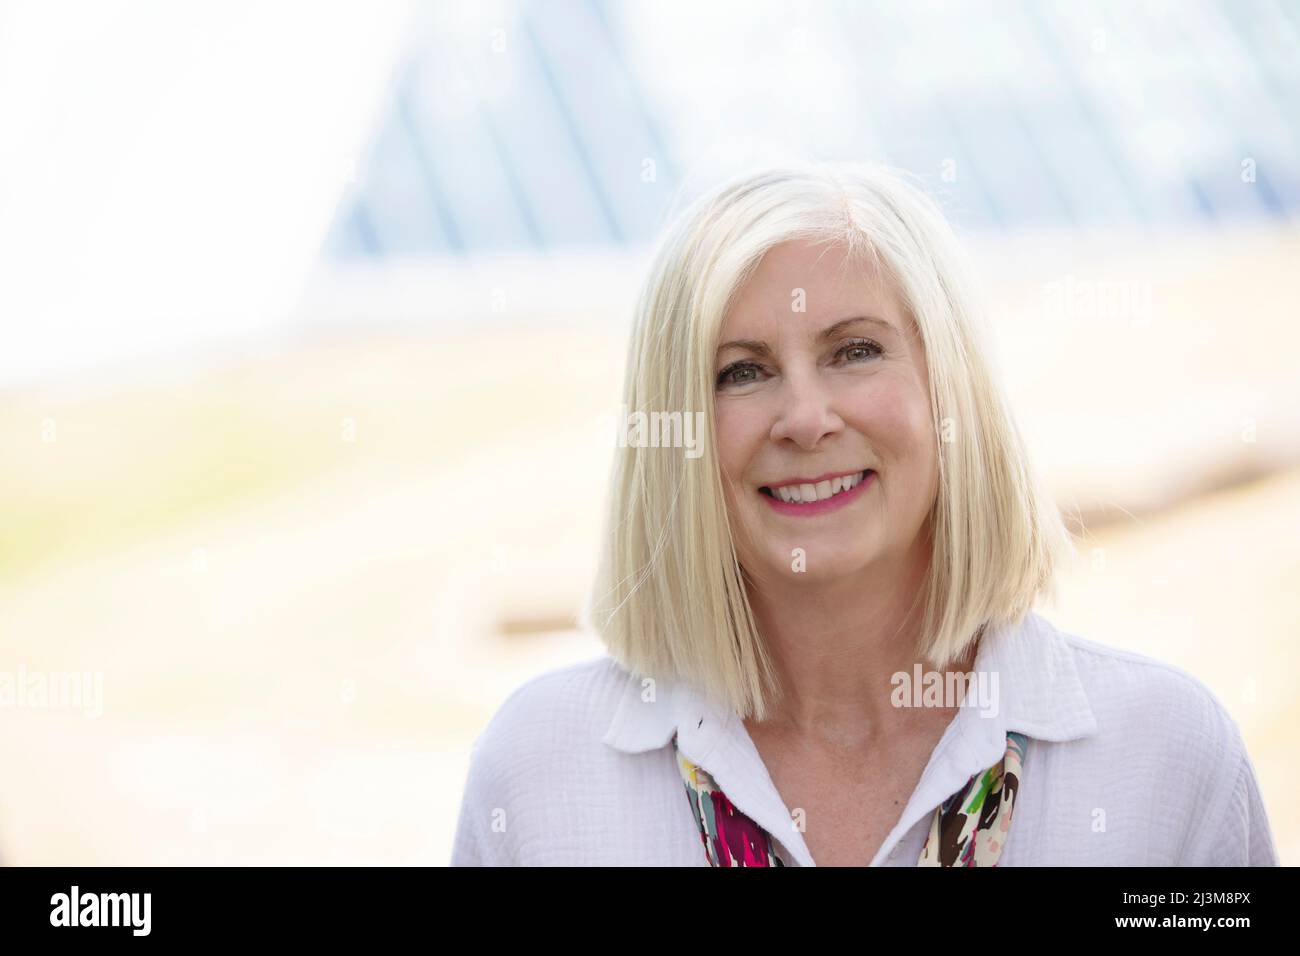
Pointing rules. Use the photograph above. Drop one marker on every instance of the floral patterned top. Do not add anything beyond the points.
(969, 829)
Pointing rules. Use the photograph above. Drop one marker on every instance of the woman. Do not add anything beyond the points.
(822, 643)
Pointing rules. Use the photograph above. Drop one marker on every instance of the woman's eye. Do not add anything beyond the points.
(860, 351)
(728, 376)
(745, 373)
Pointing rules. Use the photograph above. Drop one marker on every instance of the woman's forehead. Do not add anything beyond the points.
(782, 308)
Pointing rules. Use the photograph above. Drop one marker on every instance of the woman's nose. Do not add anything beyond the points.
(807, 413)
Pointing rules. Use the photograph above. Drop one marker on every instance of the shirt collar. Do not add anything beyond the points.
(1039, 694)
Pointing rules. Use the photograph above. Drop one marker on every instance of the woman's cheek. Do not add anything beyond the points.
(733, 443)
(898, 418)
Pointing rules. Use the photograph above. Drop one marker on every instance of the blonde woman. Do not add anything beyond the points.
(822, 643)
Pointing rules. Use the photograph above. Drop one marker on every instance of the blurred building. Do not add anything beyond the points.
(573, 123)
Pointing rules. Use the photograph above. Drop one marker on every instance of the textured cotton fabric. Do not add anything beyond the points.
(1134, 763)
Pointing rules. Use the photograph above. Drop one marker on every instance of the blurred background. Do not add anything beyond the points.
(313, 314)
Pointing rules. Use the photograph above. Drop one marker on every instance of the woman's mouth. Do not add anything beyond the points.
(812, 498)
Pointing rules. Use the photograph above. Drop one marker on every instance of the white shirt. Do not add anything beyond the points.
(1130, 762)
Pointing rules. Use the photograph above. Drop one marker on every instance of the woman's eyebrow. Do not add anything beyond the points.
(762, 348)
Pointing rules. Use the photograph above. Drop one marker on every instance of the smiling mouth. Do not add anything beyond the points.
(809, 493)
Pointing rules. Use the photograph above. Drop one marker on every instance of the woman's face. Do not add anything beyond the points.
(820, 374)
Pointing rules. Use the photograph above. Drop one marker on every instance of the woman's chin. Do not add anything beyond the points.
(819, 565)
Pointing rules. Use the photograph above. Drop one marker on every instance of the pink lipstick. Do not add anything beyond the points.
(807, 509)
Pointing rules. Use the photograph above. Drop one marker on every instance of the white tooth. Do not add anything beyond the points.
(852, 482)
(837, 485)
(823, 490)
(784, 493)
(807, 492)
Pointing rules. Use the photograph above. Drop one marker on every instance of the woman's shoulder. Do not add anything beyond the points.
(543, 741)
(1181, 750)
(558, 707)
(550, 722)
(1144, 694)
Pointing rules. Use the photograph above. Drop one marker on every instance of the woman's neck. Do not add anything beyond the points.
(837, 646)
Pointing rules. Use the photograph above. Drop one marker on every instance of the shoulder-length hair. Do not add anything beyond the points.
(669, 599)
